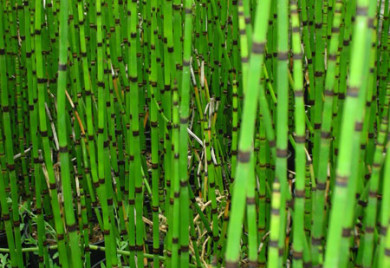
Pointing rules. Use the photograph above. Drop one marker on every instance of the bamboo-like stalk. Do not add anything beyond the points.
(383, 249)
(8, 148)
(175, 189)
(183, 139)
(6, 213)
(62, 137)
(154, 135)
(41, 84)
(348, 121)
(325, 143)
(279, 210)
(299, 238)
(245, 142)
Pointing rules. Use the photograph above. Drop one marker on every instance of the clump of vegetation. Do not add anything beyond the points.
(194, 133)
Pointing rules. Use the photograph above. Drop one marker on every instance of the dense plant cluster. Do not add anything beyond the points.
(194, 133)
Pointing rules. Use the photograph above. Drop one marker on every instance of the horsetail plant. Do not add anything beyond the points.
(194, 133)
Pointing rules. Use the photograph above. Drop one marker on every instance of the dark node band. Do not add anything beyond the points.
(283, 55)
(370, 23)
(335, 29)
(325, 134)
(63, 149)
(297, 56)
(332, 57)
(230, 264)
(321, 186)
(316, 241)
(61, 67)
(183, 120)
(275, 211)
(361, 11)
(250, 200)
(273, 243)
(353, 92)
(244, 59)
(341, 181)
(297, 255)
(300, 193)
(373, 194)
(281, 153)
(300, 139)
(358, 126)
(41, 80)
(52, 186)
(258, 48)
(295, 29)
(244, 157)
(60, 237)
(72, 228)
(328, 93)
(346, 232)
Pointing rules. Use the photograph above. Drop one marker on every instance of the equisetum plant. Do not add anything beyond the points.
(195, 133)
